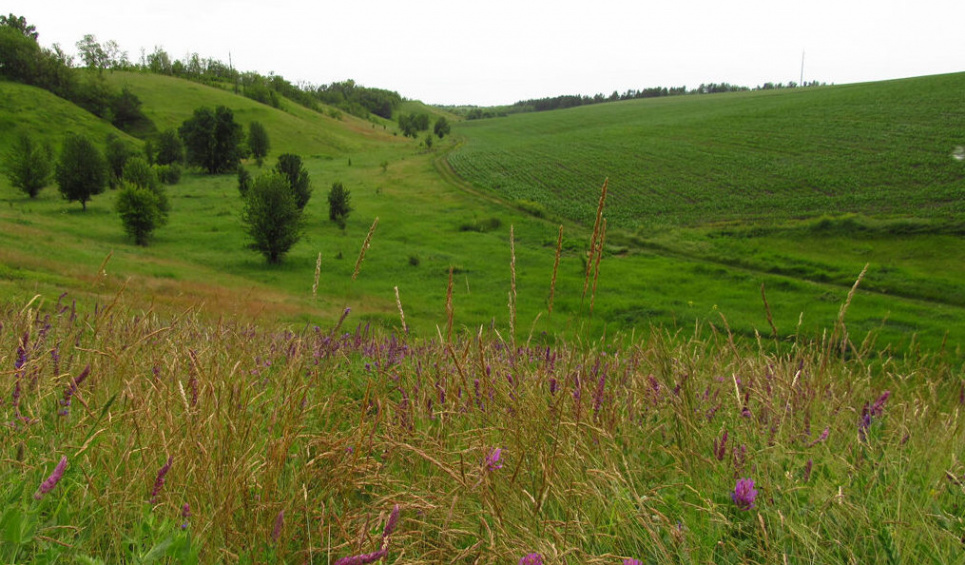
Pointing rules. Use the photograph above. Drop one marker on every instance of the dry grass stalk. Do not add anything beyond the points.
(365, 247)
(596, 268)
(449, 311)
(556, 266)
(840, 326)
(767, 308)
(398, 302)
(318, 273)
(512, 287)
(594, 238)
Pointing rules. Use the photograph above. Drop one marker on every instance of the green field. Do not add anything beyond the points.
(667, 275)
(877, 149)
(187, 403)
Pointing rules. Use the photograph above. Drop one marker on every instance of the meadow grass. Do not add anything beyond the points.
(294, 444)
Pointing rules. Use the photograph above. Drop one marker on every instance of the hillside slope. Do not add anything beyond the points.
(878, 149)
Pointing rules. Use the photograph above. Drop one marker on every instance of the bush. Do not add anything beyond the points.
(271, 216)
(28, 165)
(244, 181)
(169, 174)
(532, 208)
(301, 186)
(339, 199)
(482, 226)
(140, 211)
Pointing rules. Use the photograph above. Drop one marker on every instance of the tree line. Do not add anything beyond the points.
(572, 101)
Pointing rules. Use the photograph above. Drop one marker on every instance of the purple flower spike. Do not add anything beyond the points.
(159, 480)
(744, 494)
(362, 559)
(185, 515)
(279, 523)
(391, 522)
(492, 460)
(531, 559)
(632, 562)
(49, 484)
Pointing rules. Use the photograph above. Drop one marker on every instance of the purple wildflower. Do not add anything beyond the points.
(720, 447)
(49, 484)
(391, 522)
(492, 460)
(879, 405)
(632, 562)
(744, 494)
(821, 438)
(72, 388)
(362, 559)
(185, 515)
(807, 470)
(531, 559)
(159, 480)
(279, 523)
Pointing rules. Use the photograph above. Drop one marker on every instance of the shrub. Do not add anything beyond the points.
(271, 216)
(141, 212)
(169, 174)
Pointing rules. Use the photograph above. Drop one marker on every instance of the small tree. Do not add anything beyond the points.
(272, 219)
(212, 140)
(258, 141)
(339, 199)
(117, 152)
(81, 171)
(442, 127)
(244, 181)
(428, 141)
(169, 148)
(291, 167)
(138, 173)
(140, 211)
(28, 165)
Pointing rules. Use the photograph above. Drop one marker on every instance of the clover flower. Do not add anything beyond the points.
(744, 494)
(531, 559)
(492, 460)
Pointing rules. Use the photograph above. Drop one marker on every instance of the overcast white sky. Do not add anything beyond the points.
(501, 51)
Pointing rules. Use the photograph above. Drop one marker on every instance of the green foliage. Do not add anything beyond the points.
(442, 127)
(413, 123)
(532, 208)
(244, 181)
(212, 140)
(339, 204)
(272, 218)
(29, 165)
(428, 141)
(168, 148)
(116, 152)
(139, 173)
(140, 212)
(19, 24)
(169, 174)
(301, 185)
(258, 141)
(81, 170)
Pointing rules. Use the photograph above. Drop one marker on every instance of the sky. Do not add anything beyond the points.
(498, 52)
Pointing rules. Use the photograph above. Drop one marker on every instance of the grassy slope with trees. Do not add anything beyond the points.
(624, 448)
(427, 226)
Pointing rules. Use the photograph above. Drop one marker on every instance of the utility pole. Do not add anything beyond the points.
(802, 68)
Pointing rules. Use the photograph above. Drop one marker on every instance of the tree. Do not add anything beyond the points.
(28, 165)
(272, 219)
(339, 199)
(169, 148)
(19, 24)
(212, 140)
(140, 211)
(442, 127)
(137, 172)
(258, 141)
(94, 56)
(117, 152)
(428, 141)
(301, 186)
(81, 171)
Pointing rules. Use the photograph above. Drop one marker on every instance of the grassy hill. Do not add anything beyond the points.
(430, 224)
(875, 149)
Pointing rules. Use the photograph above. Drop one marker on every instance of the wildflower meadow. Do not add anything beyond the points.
(131, 436)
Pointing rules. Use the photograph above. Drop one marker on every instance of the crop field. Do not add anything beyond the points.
(874, 149)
